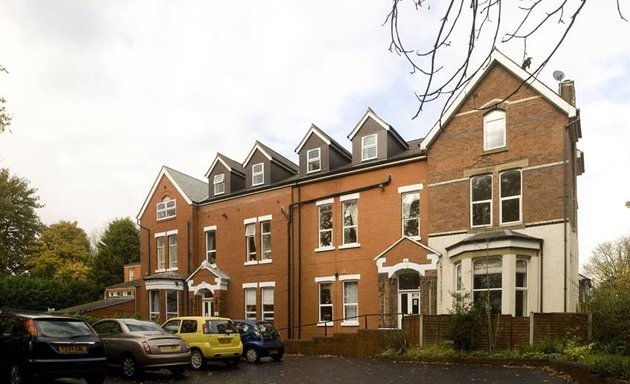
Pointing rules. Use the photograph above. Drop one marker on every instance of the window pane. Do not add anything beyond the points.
(409, 281)
(325, 295)
(521, 303)
(521, 273)
(481, 188)
(211, 247)
(494, 130)
(510, 183)
(350, 222)
(510, 210)
(481, 214)
(265, 229)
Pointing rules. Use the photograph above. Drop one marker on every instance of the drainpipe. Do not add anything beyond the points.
(299, 264)
(564, 208)
(289, 290)
(188, 256)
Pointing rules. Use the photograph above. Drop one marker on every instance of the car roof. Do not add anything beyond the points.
(202, 318)
(37, 316)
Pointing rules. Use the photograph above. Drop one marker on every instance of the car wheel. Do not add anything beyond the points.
(129, 366)
(252, 355)
(17, 375)
(277, 357)
(196, 359)
(177, 371)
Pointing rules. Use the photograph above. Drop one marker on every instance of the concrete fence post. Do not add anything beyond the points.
(531, 329)
(590, 327)
(420, 331)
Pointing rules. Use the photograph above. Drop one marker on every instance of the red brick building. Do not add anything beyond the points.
(345, 240)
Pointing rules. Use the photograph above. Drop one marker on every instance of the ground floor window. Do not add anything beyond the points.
(267, 303)
(154, 305)
(250, 303)
(172, 304)
(325, 302)
(487, 282)
(351, 301)
(521, 288)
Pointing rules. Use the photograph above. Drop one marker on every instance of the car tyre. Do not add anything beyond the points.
(196, 360)
(17, 375)
(129, 369)
(252, 355)
(277, 357)
(177, 371)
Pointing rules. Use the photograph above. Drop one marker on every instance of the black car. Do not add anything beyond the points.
(260, 339)
(36, 348)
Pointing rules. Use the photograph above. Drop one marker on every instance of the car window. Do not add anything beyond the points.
(8, 325)
(62, 328)
(103, 328)
(189, 326)
(242, 327)
(142, 326)
(220, 326)
(171, 326)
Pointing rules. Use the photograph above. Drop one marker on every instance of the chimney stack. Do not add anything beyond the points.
(567, 91)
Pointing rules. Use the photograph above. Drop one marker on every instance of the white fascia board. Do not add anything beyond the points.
(214, 163)
(163, 172)
(312, 130)
(251, 153)
(517, 71)
(368, 113)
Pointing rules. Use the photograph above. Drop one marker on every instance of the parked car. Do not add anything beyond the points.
(36, 348)
(136, 345)
(209, 338)
(260, 339)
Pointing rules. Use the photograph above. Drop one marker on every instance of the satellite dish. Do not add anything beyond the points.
(558, 75)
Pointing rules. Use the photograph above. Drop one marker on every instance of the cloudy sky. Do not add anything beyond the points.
(103, 93)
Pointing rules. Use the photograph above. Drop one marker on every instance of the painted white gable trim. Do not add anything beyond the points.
(381, 122)
(428, 249)
(251, 153)
(163, 172)
(214, 163)
(517, 71)
(312, 130)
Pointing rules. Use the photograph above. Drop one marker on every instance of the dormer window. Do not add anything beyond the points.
(494, 130)
(166, 209)
(258, 174)
(368, 147)
(219, 184)
(313, 160)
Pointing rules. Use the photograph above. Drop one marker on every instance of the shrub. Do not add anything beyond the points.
(464, 324)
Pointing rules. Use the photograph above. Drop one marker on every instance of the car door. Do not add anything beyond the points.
(110, 333)
(8, 340)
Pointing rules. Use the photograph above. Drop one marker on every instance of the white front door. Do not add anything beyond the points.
(408, 304)
(206, 307)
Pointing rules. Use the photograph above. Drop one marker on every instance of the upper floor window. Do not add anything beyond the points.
(313, 160)
(265, 240)
(161, 253)
(258, 174)
(250, 237)
(211, 246)
(350, 221)
(325, 225)
(166, 209)
(172, 251)
(219, 184)
(481, 201)
(494, 130)
(369, 147)
(510, 197)
(411, 214)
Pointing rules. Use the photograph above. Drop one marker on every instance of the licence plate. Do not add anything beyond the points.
(169, 348)
(273, 351)
(225, 340)
(73, 349)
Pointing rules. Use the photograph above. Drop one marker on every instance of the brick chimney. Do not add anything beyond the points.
(567, 91)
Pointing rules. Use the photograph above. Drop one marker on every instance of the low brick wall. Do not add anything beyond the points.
(364, 343)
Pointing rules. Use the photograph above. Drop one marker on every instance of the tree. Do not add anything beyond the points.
(609, 261)
(5, 119)
(62, 252)
(19, 223)
(466, 34)
(119, 245)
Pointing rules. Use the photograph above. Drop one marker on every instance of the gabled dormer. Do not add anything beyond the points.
(264, 166)
(225, 176)
(319, 153)
(373, 139)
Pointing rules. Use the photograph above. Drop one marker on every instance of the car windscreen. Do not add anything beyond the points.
(219, 326)
(142, 326)
(268, 330)
(62, 328)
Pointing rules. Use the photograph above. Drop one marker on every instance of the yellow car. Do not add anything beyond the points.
(209, 338)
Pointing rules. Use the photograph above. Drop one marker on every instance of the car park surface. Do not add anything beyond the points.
(34, 348)
(209, 338)
(136, 345)
(260, 339)
(315, 370)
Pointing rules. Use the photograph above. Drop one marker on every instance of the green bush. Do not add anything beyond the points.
(35, 294)
(464, 324)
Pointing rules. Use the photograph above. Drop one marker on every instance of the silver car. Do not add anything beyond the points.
(135, 345)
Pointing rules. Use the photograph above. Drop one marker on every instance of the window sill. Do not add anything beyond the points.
(324, 249)
(416, 238)
(325, 324)
(172, 269)
(265, 261)
(348, 246)
(160, 270)
(166, 218)
(493, 150)
(349, 323)
(250, 263)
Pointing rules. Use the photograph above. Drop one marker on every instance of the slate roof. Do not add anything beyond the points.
(94, 305)
(195, 190)
(493, 236)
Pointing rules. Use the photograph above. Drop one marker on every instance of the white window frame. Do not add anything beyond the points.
(265, 254)
(172, 314)
(404, 219)
(326, 305)
(313, 164)
(366, 149)
(250, 236)
(518, 197)
(267, 314)
(478, 202)
(249, 293)
(160, 251)
(523, 288)
(354, 321)
(219, 184)
(321, 205)
(488, 290)
(166, 209)
(131, 274)
(154, 305)
(458, 278)
(211, 254)
(345, 201)
(494, 123)
(172, 251)
(258, 174)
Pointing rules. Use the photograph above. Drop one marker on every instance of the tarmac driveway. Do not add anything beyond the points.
(312, 370)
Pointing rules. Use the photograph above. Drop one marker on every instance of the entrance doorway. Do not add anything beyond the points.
(207, 304)
(408, 295)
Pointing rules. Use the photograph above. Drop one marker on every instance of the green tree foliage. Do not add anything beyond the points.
(119, 245)
(464, 323)
(19, 223)
(5, 119)
(28, 293)
(610, 261)
(62, 252)
(610, 306)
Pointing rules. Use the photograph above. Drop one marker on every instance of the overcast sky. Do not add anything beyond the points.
(103, 93)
